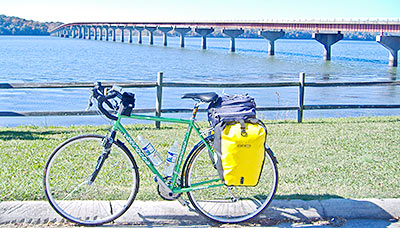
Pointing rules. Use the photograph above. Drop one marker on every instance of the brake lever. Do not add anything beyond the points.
(90, 103)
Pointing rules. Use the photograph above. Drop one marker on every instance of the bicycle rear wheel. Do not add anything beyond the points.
(67, 186)
(228, 204)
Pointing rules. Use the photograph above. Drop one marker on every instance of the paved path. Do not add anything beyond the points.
(159, 213)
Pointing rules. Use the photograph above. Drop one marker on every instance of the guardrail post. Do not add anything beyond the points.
(159, 96)
(302, 78)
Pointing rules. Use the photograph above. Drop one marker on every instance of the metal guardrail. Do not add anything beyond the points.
(159, 85)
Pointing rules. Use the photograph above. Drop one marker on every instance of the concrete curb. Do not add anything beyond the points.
(173, 213)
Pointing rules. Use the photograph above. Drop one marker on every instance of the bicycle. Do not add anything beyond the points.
(93, 179)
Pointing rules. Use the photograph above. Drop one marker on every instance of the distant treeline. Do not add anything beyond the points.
(19, 26)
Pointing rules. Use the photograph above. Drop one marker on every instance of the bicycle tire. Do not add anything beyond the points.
(67, 188)
(216, 203)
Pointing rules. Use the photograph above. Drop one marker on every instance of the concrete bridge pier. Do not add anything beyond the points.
(107, 31)
(392, 43)
(139, 29)
(83, 32)
(73, 32)
(327, 39)
(271, 36)
(233, 33)
(100, 28)
(130, 39)
(90, 33)
(79, 32)
(204, 32)
(151, 30)
(114, 35)
(122, 28)
(95, 32)
(76, 32)
(165, 30)
(182, 32)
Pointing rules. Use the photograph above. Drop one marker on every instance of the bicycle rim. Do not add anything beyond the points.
(69, 192)
(229, 204)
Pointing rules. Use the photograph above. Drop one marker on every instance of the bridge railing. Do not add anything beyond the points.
(159, 85)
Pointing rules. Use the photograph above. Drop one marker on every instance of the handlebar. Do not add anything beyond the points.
(102, 96)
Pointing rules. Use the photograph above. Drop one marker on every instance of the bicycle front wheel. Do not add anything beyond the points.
(228, 204)
(73, 196)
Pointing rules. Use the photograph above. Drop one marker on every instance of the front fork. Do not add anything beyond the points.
(107, 143)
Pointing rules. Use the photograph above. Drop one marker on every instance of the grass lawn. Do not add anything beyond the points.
(320, 158)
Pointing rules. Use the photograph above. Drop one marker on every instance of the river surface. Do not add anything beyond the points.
(53, 59)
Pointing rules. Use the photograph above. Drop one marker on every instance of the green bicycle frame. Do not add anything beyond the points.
(191, 125)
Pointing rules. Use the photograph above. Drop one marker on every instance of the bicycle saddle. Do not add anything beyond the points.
(204, 97)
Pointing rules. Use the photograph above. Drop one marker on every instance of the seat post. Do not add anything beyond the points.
(195, 109)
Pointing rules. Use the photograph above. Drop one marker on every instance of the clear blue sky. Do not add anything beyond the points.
(199, 10)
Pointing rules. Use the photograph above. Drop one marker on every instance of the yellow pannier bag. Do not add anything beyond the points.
(242, 155)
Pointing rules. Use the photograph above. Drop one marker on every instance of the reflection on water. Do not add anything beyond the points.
(50, 59)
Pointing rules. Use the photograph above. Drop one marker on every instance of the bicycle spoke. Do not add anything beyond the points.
(74, 190)
(234, 198)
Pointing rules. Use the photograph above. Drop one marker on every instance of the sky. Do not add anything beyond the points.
(68, 11)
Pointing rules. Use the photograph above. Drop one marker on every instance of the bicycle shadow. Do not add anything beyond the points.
(331, 210)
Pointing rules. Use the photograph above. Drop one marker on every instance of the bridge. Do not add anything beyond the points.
(325, 32)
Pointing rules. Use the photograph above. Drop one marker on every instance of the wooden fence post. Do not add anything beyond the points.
(159, 96)
(302, 78)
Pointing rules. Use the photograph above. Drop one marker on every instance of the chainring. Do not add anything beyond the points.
(163, 192)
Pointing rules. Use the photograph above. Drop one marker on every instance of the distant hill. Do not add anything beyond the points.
(20, 26)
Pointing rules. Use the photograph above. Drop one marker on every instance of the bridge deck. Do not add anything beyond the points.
(362, 26)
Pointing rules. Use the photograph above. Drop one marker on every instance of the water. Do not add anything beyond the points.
(51, 59)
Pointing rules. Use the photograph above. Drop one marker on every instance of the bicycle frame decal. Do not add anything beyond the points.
(137, 149)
